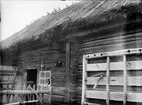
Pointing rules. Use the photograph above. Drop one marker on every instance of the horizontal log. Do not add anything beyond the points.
(58, 84)
(119, 38)
(57, 98)
(58, 70)
(131, 81)
(117, 96)
(58, 91)
(113, 47)
(131, 65)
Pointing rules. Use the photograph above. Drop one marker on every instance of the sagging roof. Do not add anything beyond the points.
(78, 16)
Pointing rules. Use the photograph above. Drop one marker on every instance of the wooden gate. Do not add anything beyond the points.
(112, 77)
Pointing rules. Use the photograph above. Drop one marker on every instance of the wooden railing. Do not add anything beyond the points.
(16, 97)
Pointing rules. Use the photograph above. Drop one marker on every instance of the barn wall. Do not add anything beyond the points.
(105, 43)
(49, 56)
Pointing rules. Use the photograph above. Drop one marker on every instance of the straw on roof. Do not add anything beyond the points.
(78, 16)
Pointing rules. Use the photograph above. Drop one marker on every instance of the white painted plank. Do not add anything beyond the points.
(97, 67)
(131, 65)
(118, 96)
(108, 81)
(125, 80)
(84, 75)
(131, 81)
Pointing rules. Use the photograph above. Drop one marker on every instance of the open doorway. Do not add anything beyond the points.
(32, 78)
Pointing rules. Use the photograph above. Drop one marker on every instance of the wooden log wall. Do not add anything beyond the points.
(50, 57)
(110, 42)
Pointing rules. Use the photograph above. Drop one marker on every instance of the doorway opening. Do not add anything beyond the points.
(32, 78)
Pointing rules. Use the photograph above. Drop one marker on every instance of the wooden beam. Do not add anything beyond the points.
(67, 99)
(131, 65)
(117, 96)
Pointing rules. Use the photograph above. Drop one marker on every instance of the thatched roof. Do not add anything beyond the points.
(78, 16)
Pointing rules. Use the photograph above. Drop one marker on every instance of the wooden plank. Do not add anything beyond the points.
(131, 81)
(84, 80)
(131, 65)
(125, 80)
(118, 96)
(108, 80)
(114, 53)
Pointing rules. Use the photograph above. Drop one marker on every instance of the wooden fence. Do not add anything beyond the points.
(9, 96)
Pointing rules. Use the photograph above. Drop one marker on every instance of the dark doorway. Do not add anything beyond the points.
(32, 77)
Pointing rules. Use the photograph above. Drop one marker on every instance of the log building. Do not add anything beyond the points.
(58, 41)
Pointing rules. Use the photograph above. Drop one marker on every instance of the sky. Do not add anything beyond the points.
(16, 14)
